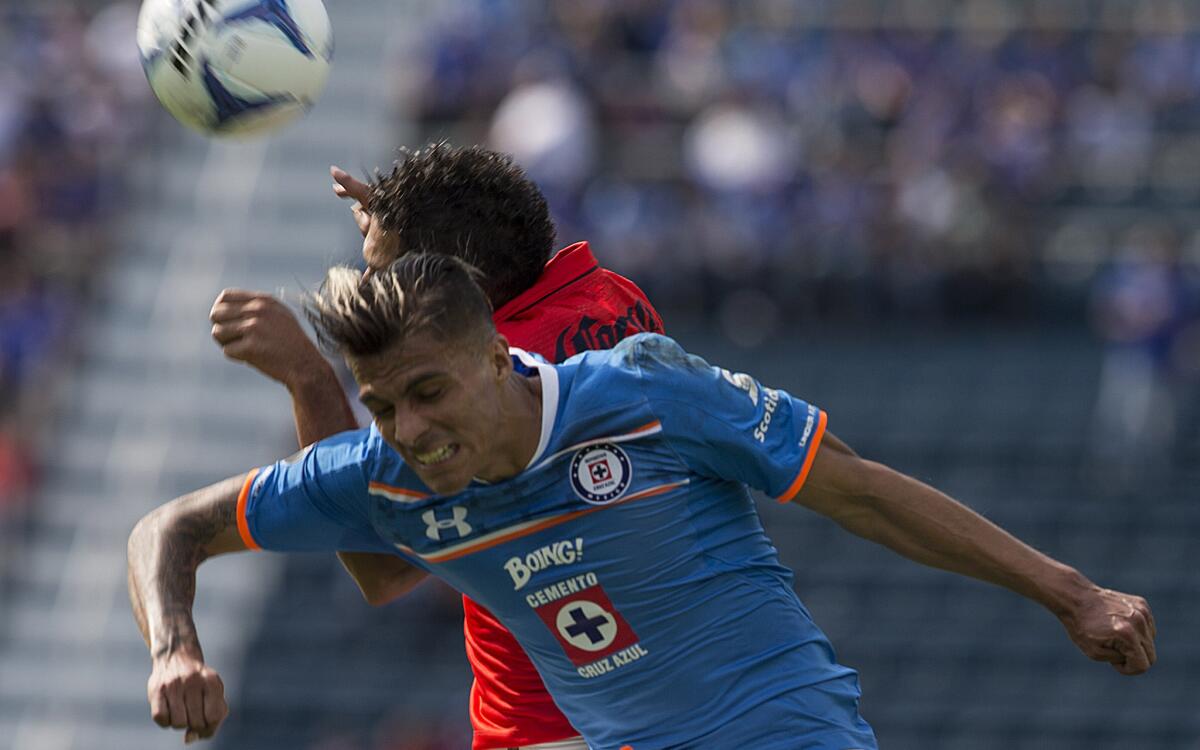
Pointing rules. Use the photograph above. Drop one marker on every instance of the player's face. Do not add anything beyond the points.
(438, 403)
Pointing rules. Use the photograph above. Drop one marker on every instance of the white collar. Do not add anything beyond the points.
(549, 378)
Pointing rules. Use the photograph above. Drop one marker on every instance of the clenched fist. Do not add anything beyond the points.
(258, 329)
(186, 694)
(1114, 627)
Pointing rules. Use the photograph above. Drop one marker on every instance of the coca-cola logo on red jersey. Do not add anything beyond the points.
(589, 333)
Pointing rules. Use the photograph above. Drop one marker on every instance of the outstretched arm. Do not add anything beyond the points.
(165, 549)
(919, 522)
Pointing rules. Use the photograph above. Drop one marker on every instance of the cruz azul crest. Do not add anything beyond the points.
(600, 473)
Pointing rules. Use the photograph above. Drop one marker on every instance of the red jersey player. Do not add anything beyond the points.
(479, 206)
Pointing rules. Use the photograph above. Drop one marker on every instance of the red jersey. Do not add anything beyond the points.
(575, 306)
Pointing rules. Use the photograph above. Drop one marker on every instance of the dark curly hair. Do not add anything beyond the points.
(471, 203)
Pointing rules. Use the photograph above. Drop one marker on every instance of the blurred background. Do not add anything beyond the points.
(969, 230)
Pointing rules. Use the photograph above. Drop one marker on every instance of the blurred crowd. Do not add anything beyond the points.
(766, 159)
(757, 162)
(768, 162)
(762, 162)
(71, 90)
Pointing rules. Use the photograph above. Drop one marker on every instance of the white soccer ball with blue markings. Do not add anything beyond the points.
(235, 67)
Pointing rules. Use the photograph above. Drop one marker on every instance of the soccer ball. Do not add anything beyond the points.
(235, 67)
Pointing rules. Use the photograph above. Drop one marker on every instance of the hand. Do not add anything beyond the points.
(1116, 628)
(186, 694)
(258, 329)
(379, 247)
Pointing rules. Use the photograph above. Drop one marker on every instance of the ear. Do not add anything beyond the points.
(501, 359)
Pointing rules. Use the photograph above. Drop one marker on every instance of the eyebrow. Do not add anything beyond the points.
(370, 398)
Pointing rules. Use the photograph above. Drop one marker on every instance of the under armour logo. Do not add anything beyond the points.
(435, 525)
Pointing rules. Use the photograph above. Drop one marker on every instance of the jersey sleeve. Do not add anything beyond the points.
(314, 501)
(727, 424)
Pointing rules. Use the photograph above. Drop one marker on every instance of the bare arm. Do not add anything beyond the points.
(919, 522)
(165, 549)
(260, 330)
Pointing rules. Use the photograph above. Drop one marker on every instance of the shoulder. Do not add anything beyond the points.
(654, 353)
(648, 364)
(346, 456)
(352, 446)
(641, 350)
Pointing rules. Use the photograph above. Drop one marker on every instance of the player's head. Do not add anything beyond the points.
(430, 366)
(474, 204)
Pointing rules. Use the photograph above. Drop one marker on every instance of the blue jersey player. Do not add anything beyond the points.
(601, 509)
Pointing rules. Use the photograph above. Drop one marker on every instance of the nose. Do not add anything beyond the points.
(408, 427)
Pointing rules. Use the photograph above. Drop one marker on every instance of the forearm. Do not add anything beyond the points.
(921, 523)
(165, 549)
(162, 586)
(319, 405)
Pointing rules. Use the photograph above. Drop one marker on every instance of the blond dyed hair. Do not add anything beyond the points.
(429, 293)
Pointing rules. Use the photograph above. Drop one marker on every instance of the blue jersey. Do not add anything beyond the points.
(627, 559)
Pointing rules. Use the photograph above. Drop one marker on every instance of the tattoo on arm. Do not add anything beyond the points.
(165, 550)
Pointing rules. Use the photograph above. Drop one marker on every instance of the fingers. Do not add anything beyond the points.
(168, 704)
(215, 708)
(348, 187)
(1139, 630)
(213, 711)
(233, 303)
(1142, 608)
(1131, 642)
(1142, 622)
(194, 702)
(248, 305)
(241, 349)
(1117, 628)
(1135, 660)
(234, 297)
(227, 333)
(160, 708)
(362, 219)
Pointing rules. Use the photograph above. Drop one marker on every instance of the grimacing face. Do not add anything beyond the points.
(438, 404)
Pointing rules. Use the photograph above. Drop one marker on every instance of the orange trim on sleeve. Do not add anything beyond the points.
(815, 445)
(242, 523)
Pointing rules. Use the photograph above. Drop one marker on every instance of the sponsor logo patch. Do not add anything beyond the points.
(770, 404)
(547, 556)
(600, 473)
(588, 627)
